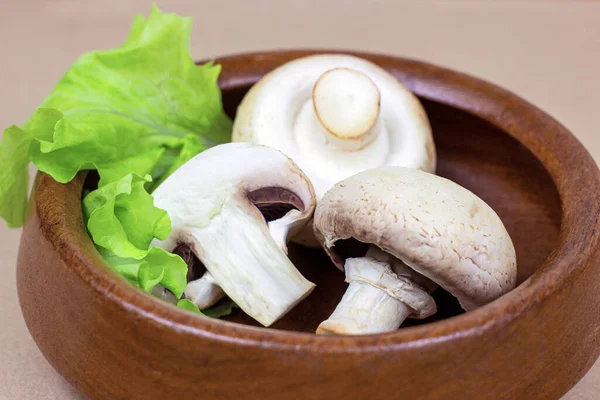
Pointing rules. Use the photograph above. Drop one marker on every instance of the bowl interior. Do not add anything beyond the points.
(474, 154)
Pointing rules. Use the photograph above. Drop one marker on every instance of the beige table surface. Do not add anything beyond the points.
(546, 51)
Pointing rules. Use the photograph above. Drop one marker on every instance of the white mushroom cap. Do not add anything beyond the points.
(336, 115)
(438, 228)
(213, 202)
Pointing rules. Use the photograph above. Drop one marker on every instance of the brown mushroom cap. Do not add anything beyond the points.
(440, 229)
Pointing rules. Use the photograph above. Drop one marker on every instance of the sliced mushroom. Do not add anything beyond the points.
(336, 115)
(213, 202)
(424, 230)
(202, 289)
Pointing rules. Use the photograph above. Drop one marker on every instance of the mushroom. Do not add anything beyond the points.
(423, 230)
(232, 208)
(336, 115)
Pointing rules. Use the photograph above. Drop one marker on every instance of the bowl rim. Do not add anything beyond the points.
(570, 166)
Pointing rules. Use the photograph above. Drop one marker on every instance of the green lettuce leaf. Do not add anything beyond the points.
(119, 111)
(122, 220)
(14, 175)
(135, 114)
(172, 160)
(14, 161)
(221, 309)
(189, 306)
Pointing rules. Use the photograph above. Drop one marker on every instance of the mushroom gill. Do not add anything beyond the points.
(275, 202)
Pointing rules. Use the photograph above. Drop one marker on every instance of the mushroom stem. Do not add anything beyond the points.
(204, 292)
(256, 274)
(365, 309)
(346, 104)
(377, 299)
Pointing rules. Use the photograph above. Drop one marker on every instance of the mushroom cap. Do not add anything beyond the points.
(257, 175)
(279, 110)
(437, 227)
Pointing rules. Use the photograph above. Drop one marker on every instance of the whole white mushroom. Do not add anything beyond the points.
(424, 230)
(336, 115)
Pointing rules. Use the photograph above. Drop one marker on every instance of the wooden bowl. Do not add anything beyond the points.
(112, 341)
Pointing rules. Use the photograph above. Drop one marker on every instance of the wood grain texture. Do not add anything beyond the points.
(113, 342)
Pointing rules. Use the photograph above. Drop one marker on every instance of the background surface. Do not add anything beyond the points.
(546, 51)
